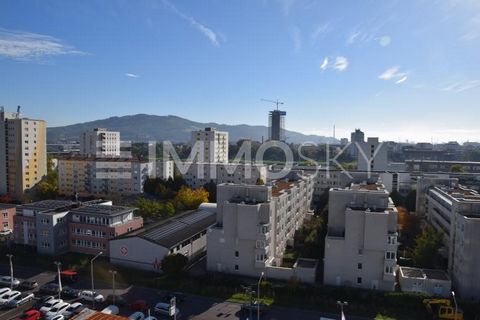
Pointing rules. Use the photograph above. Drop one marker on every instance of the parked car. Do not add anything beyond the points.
(119, 300)
(68, 276)
(9, 297)
(42, 301)
(150, 318)
(28, 285)
(20, 300)
(6, 281)
(5, 232)
(73, 309)
(49, 305)
(164, 309)
(179, 297)
(58, 317)
(70, 292)
(31, 314)
(111, 309)
(50, 288)
(139, 305)
(56, 310)
(4, 291)
(89, 295)
(136, 316)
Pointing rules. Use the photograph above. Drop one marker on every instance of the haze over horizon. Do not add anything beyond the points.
(400, 71)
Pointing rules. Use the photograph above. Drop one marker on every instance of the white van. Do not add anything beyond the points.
(111, 309)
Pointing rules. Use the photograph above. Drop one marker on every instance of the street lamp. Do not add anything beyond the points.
(91, 275)
(258, 295)
(11, 270)
(456, 306)
(59, 276)
(114, 273)
(342, 304)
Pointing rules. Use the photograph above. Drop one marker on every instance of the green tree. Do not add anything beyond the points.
(411, 201)
(457, 168)
(260, 182)
(174, 264)
(425, 254)
(211, 188)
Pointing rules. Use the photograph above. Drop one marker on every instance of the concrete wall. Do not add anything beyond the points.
(137, 253)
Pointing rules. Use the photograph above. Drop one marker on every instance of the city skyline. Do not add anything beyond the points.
(353, 68)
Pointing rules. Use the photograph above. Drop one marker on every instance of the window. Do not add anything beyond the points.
(359, 280)
(390, 255)
(392, 240)
(260, 244)
(389, 269)
(236, 267)
(359, 266)
(236, 254)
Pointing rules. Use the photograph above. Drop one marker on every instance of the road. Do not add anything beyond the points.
(194, 307)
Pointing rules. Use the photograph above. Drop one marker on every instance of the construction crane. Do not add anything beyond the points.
(273, 101)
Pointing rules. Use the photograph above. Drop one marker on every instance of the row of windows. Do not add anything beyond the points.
(88, 244)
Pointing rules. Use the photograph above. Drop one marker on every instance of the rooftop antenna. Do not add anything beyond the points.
(18, 111)
(273, 101)
(333, 131)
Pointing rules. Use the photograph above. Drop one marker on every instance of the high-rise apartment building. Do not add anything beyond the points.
(210, 145)
(23, 153)
(361, 243)
(358, 136)
(372, 155)
(100, 142)
(276, 125)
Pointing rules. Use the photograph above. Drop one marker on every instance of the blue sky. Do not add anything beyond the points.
(397, 69)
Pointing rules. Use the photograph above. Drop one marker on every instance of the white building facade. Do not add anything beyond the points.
(210, 145)
(372, 155)
(100, 142)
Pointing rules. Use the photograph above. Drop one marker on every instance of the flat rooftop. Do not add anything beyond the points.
(175, 230)
(48, 205)
(105, 210)
(7, 206)
(434, 274)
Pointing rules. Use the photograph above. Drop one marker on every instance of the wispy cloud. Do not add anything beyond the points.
(21, 45)
(203, 29)
(394, 75)
(384, 40)
(132, 75)
(320, 31)
(462, 86)
(324, 64)
(341, 63)
(296, 35)
(286, 6)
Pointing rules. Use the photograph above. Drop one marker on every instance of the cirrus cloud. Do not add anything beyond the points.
(393, 74)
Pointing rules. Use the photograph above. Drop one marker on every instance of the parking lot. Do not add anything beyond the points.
(193, 307)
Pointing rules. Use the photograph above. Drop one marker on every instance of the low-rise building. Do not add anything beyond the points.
(92, 227)
(88, 176)
(254, 225)
(8, 211)
(427, 281)
(145, 248)
(441, 166)
(361, 242)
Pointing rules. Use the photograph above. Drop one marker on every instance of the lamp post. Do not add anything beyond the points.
(114, 273)
(11, 270)
(258, 295)
(342, 304)
(456, 306)
(91, 275)
(59, 276)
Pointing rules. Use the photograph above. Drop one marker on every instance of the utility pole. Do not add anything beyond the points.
(11, 270)
(456, 306)
(258, 295)
(59, 264)
(114, 273)
(91, 275)
(342, 304)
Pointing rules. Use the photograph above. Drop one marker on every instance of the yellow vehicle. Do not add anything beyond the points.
(442, 309)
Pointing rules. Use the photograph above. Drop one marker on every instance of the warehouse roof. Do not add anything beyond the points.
(106, 210)
(175, 230)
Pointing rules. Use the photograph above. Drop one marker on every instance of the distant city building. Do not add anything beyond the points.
(254, 225)
(100, 143)
(198, 174)
(372, 155)
(343, 141)
(426, 281)
(87, 176)
(361, 243)
(441, 166)
(165, 169)
(145, 248)
(8, 211)
(213, 146)
(23, 155)
(276, 125)
(358, 136)
(454, 211)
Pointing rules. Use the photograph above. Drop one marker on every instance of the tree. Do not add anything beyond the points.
(397, 198)
(6, 198)
(155, 209)
(188, 199)
(48, 187)
(260, 182)
(425, 254)
(211, 188)
(174, 264)
(410, 228)
(457, 168)
(411, 201)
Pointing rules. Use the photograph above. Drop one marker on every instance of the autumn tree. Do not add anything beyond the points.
(410, 227)
(188, 199)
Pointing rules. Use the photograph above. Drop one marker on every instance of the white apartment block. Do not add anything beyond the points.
(361, 243)
(101, 176)
(210, 143)
(23, 153)
(372, 155)
(100, 142)
(454, 211)
(198, 174)
(254, 225)
(164, 169)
